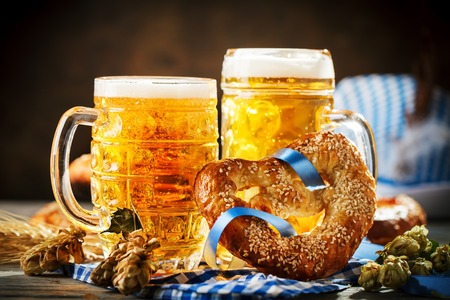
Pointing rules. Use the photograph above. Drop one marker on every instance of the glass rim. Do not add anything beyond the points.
(155, 86)
(155, 79)
(278, 63)
(252, 50)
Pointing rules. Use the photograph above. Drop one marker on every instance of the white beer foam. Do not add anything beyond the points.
(272, 62)
(155, 87)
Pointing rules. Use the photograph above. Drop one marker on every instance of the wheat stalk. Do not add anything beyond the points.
(19, 233)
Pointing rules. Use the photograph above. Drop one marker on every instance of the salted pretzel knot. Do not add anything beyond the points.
(348, 201)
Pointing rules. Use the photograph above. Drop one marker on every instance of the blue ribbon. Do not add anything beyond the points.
(302, 166)
(210, 250)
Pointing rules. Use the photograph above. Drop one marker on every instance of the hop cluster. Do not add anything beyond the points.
(369, 276)
(54, 252)
(441, 258)
(394, 272)
(411, 253)
(129, 266)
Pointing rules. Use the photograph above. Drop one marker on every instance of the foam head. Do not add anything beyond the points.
(155, 87)
(278, 63)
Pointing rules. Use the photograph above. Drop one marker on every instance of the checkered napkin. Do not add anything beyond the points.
(230, 284)
(244, 283)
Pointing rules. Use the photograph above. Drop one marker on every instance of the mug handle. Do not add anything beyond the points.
(357, 129)
(92, 220)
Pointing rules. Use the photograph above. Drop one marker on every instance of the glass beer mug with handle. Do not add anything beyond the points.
(150, 137)
(271, 96)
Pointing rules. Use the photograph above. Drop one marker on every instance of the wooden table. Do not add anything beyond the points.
(14, 284)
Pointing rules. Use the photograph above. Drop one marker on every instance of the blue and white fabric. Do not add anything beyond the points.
(245, 283)
(407, 155)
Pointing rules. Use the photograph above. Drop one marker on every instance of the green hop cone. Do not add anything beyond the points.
(421, 266)
(394, 273)
(403, 245)
(419, 234)
(441, 258)
(368, 278)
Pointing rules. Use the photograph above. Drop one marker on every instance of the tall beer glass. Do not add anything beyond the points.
(272, 96)
(150, 137)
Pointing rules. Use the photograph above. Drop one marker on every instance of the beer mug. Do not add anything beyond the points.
(272, 96)
(150, 137)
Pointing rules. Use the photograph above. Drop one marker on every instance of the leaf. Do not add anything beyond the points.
(124, 220)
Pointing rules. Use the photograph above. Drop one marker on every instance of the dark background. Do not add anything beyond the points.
(51, 51)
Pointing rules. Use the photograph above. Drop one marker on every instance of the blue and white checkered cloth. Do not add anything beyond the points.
(250, 284)
(407, 155)
(246, 283)
(230, 284)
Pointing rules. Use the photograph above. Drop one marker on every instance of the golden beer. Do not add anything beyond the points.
(150, 138)
(271, 97)
(258, 122)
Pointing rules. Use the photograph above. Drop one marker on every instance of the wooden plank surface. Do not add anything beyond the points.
(15, 284)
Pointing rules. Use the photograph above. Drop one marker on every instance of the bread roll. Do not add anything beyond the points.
(394, 216)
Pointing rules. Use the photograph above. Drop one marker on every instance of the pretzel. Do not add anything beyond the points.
(349, 203)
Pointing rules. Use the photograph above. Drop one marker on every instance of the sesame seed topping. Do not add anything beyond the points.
(348, 203)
